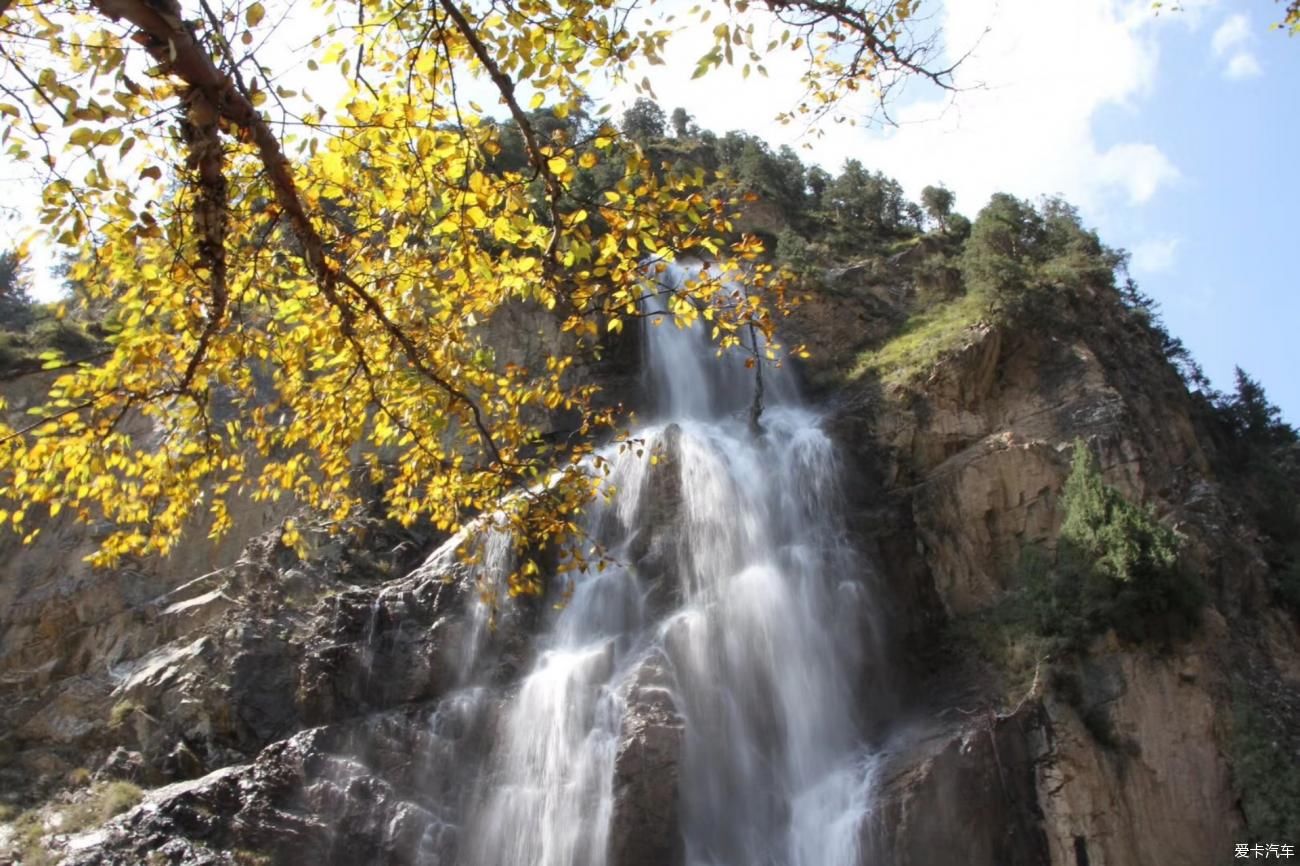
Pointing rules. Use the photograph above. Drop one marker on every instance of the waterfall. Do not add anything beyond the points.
(734, 624)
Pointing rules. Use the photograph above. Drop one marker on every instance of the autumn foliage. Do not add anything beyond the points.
(300, 290)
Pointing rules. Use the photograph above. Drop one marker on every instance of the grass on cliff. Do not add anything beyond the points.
(101, 803)
(926, 336)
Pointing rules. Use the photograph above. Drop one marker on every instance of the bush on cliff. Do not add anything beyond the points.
(1116, 566)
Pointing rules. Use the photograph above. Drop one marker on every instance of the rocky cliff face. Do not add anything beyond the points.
(1122, 754)
(289, 711)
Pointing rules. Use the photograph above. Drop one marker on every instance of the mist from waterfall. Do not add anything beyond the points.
(736, 610)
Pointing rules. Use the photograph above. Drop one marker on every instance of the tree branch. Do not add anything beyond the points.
(507, 89)
(173, 44)
(211, 217)
(862, 23)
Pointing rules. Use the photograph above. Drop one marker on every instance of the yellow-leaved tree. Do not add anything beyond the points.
(298, 290)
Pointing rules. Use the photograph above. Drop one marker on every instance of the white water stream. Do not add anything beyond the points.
(763, 639)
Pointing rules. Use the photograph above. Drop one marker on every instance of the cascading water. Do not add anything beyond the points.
(737, 596)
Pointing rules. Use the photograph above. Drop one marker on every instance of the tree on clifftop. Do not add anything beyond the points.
(291, 279)
(15, 303)
(645, 120)
(937, 202)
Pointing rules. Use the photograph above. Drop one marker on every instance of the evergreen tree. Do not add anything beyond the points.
(1116, 567)
(1252, 417)
(644, 121)
(681, 122)
(1004, 245)
(937, 201)
(15, 302)
(819, 180)
(855, 203)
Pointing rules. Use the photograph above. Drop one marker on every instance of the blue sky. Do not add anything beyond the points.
(1176, 134)
(1223, 246)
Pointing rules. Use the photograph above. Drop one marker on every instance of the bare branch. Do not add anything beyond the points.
(863, 24)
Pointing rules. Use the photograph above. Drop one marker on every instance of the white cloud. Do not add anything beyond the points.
(1234, 32)
(1232, 40)
(1046, 70)
(1139, 170)
(1243, 66)
(1155, 255)
(1024, 122)
(1191, 13)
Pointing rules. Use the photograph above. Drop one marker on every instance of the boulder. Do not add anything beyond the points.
(645, 828)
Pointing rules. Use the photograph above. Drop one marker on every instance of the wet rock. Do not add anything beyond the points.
(1130, 763)
(959, 795)
(123, 764)
(655, 547)
(978, 510)
(644, 829)
(181, 764)
(370, 791)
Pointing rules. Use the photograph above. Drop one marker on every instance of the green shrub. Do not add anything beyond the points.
(1116, 567)
(122, 712)
(21, 350)
(1023, 258)
(795, 253)
(116, 797)
(103, 802)
(14, 351)
(1264, 770)
(1003, 636)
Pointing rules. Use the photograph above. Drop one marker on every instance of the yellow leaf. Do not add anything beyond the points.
(254, 14)
(360, 109)
(557, 164)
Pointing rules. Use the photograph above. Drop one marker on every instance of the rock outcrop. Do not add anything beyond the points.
(645, 829)
(960, 793)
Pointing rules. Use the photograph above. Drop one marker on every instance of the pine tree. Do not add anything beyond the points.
(15, 302)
